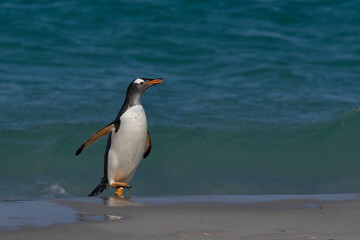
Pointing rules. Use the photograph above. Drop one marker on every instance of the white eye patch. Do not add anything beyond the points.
(139, 81)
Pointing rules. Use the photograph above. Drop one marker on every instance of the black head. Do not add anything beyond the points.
(137, 87)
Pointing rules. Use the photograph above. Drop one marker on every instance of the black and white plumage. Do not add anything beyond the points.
(128, 141)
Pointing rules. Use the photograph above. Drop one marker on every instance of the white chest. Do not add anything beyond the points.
(127, 145)
(134, 116)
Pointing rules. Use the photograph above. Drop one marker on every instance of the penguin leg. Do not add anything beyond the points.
(120, 188)
(120, 184)
(119, 192)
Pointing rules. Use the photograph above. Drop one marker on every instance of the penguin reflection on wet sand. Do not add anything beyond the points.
(128, 141)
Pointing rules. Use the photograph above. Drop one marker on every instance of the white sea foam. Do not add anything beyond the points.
(56, 190)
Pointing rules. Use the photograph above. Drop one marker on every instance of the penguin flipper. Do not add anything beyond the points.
(102, 132)
(147, 145)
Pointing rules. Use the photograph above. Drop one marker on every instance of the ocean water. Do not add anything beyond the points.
(260, 97)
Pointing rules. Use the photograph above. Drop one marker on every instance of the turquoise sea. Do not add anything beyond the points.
(259, 97)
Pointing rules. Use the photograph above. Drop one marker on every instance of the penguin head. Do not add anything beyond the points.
(139, 85)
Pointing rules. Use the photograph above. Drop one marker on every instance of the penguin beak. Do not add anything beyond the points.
(155, 81)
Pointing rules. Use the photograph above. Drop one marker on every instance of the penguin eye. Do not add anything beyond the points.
(139, 81)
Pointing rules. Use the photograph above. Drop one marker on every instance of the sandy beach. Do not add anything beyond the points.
(223, 217)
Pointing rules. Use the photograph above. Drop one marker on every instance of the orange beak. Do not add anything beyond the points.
(155, 81)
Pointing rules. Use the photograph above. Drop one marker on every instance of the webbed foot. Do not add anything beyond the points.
(120, 188)
(120, 184)
(119, 192)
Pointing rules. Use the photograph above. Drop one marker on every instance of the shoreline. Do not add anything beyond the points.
(324, 216)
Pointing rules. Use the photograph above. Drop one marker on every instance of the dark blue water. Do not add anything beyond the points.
(260, 97)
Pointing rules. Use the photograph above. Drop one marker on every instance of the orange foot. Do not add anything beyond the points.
(120, 188)
(119, 192)
(120, 185)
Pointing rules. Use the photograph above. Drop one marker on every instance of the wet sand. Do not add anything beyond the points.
(202, 217)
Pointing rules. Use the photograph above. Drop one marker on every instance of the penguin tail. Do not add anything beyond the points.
(99, 188)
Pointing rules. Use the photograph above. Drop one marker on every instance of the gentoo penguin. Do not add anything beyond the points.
(128, 141)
